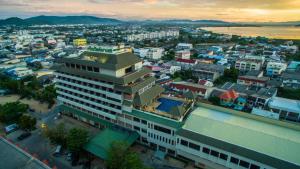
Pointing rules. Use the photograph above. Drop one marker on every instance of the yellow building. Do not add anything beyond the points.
(79, 42)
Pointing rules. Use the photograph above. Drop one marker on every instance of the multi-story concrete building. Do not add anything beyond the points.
(291, 80)
(208, 71)
(245, 64)
(113, 91)
(275, 68)
(153, 35)
(184, 46)
(150, 53)
(183, 54)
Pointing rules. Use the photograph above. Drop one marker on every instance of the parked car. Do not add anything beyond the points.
(69, 156)
(24, 135)
(11, 128)
(58, 151)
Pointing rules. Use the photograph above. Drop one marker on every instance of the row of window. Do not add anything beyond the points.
(88, 104)
(161, 138)
(86, 78)
(91, 99)
(217, 154)
(89, 112)
(140, 120)
(82, 67)
(89, 85)
(89, 92)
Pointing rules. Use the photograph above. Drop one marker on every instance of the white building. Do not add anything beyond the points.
(150, 53)
(275, 68)
(153, 35)
(183, 54)
(184, 46)
(287, 109)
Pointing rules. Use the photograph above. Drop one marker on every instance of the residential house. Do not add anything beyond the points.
(208, 71)
(253, 81)
(245, 64)
(199, 90)
(183, 54)
(186, 63)
(275, 68)
(293, 66)
(287, 109)
(228, 98)
(291, 80)
(184, 46)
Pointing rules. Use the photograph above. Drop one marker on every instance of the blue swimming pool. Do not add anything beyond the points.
(167, 104)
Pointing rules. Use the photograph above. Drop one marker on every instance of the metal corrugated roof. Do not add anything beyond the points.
(102, 142)
(268, 137)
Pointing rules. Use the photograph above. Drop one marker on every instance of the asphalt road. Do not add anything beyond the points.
(40, 146)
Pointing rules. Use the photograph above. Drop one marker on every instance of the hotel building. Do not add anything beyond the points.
(111, 90)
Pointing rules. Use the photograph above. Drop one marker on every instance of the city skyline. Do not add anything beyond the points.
(248, 11)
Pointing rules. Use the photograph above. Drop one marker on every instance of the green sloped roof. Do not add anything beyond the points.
(155, 118)
(147, 97)
(101, 143)
(271, 140)
(112, 61)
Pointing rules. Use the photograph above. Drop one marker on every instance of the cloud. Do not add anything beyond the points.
(247, 10)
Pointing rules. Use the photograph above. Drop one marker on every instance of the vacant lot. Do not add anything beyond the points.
(36, 105)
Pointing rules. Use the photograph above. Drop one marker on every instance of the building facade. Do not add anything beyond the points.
(245, 64)
(114, 90)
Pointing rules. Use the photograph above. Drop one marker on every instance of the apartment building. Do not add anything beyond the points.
(275, 68)
(153, 35)
(183, 54)
(245, 64)
(291, 80)
(208, 71)
(150, 53)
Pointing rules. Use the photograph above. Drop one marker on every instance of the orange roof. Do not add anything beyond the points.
(230, 94)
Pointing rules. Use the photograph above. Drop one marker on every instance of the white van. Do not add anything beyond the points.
(57, 151)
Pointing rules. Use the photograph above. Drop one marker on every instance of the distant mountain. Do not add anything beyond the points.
(188, 21)
(55, 20)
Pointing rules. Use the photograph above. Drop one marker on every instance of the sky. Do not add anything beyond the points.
(227, 10)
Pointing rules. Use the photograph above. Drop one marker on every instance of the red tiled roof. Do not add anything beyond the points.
(202, 82)
(230, 94)
(253, 80)
(186, 60)
(190, 88)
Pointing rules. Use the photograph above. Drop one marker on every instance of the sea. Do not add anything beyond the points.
(273, 32)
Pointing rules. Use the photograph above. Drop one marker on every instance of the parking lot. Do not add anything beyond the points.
(40, 147)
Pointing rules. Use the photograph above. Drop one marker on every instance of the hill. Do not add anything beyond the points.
(55, 20)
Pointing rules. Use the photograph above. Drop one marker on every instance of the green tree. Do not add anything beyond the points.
(119, 157)
(214, 100)
(76, 139)
(230, 75)
(10, 112)
(57, 135)
(169, 56)
(27, 122)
